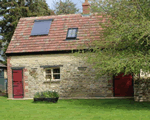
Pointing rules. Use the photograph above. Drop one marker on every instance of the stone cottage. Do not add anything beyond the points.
(39, 58)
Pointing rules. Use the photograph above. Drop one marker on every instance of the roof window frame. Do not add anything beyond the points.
(70, 38)
(33, 34)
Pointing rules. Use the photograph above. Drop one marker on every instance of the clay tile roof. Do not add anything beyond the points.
(56, 39)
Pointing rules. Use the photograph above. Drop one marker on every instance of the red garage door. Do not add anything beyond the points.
(17, 84)
(123, 85)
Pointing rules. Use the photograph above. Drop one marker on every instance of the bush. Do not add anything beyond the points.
(37, 95)
(55, 94)
(46, 94)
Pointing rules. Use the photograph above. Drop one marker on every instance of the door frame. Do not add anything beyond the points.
(17, 68)
(114, 85)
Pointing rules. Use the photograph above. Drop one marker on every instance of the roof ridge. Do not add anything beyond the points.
(49, 16)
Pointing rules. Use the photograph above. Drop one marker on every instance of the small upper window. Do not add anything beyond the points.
(72, 33)
(52, 73)
(41, 27)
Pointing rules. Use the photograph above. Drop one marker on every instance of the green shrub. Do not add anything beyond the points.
(50, 94)
(55, 94)
(37, 95)
(42, 95)
(46, 94)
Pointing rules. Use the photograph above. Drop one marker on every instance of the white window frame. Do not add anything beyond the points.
(52, 79)
(71, 30)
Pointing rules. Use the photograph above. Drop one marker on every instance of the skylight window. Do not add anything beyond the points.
(41, 27)
(72, 33)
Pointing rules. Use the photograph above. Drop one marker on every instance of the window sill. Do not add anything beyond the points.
(71, 39)
(52, 81)
(39, 35)
(55, 80)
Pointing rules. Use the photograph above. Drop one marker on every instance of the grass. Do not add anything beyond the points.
(100, 109)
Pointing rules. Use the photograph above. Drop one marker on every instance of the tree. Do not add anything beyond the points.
(13, 10)
(124, 43)
(100, 5)
(66, 7)
(40, 8)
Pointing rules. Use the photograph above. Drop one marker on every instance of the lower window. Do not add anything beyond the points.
(52, 73)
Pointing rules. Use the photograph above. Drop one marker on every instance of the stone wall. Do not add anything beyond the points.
(142, 87)
(74, 81)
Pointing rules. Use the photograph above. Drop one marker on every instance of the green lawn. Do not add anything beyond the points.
(102, 109)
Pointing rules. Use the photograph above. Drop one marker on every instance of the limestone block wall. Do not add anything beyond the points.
(74, 80)
(144, 75)
(142, 87)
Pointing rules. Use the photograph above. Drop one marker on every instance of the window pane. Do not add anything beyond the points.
(41, 27)
(57, 70)
(69, 33)
(73, 32)
(48, 76)
(48, 71)
(56, 76)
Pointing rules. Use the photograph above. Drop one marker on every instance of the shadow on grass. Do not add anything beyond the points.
(128, 104)
(106, 104)
(43, 102)
(4, 96)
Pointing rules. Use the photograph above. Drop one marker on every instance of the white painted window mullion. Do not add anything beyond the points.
(45, 73)
(52, 73)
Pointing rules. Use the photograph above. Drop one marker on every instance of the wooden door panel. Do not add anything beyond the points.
(17, 75)
(123, 85)
(17, 84)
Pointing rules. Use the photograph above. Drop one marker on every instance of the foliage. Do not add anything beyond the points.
(3, 62)
(40, 8)
(55, 94)
(46, 94)
(124, 43)
(66, 7)
(13, 10)
(37, 95)
(100, 5)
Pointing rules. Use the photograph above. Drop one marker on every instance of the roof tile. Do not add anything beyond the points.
(88, 30)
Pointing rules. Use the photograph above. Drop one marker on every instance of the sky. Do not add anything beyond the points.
(77, 2)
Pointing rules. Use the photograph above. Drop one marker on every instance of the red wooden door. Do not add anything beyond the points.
(123, 85)
(17, 84)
